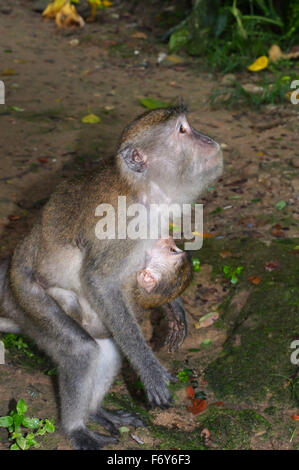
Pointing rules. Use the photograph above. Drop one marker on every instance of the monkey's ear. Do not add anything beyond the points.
(134, 158)
(147, 279)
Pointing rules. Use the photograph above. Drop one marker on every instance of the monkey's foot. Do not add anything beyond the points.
(85, 439)
(111, 420)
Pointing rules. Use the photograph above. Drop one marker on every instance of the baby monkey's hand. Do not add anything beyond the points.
(177, 322)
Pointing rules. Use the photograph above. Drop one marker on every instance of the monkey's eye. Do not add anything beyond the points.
(174, 251)
(183, 129)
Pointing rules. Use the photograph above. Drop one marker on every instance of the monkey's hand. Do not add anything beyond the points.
(177, 321)
(156, 380)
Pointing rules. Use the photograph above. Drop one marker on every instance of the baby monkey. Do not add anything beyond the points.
(167, 273)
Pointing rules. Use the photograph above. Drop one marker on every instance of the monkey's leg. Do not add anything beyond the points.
(107, 368)
(71, 347)
(178, 324)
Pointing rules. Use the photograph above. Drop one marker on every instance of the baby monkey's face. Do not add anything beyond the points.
(168, 269)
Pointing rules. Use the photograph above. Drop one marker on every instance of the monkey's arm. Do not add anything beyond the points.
(118, 317)
(178, 324)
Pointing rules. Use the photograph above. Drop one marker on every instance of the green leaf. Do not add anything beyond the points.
(221, 22)
(226, 269)
(208, 315)
(21, 407)
(217, 210)
(91, 119)
(178, 39)
(49, 425)
(31, 423)
(206, 342)
(196, 264)
(17, 109)
(30, 441)
(21, 441)
(6, 421)
(123, 429)
(16, 435)
(14, 447)
(17, 421)
(139, 385)
(280, 205)
(153, 103)
(41, 432)
(239, 269)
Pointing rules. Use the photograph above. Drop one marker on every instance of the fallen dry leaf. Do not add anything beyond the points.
(225, 254)
(7, 72)
(43, 160)
(207, 235)
(259, 64)
(190, 392)
(53, 8)
(208, 320)
(65, 14)
(13, 218)
(272, 265)
(275, 53)
(139, 35)
(254, 280)
(199, 406)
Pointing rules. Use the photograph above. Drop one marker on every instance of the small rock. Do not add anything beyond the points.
(251, 88)
(161, 57)
(74, 42)
(295, 162)
(228, 79)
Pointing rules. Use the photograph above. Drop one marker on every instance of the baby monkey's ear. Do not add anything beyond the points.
(147, 279)
(134, 158)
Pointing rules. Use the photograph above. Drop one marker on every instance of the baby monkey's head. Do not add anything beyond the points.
(167, 273)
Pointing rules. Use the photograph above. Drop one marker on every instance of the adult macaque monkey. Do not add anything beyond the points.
(160, 159)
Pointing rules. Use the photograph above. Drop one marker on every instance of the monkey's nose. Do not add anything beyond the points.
(204, 138)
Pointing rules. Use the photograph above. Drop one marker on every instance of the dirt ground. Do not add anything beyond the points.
(53, 78)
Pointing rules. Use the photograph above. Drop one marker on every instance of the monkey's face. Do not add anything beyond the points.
(169, 157)
(188, 162)
(168, 270)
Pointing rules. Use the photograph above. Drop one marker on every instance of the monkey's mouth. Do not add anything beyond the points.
(215, 158)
